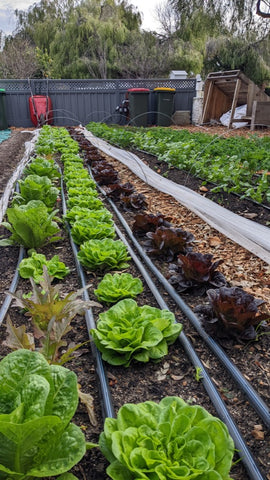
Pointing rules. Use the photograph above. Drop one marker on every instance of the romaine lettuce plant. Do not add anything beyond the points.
(37, 403)
(105, 254)
(232, 313)
(195, 272)
(31, 225)
(89, 228)
(113, 288)
(169, 440)
(128, 332)
(34, 187)
(33, 267)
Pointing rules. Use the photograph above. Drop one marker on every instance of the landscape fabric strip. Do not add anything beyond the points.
(255, 400)
(250, 235)
(107, 405)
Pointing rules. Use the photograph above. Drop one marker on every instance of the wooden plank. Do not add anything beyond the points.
(235, 99)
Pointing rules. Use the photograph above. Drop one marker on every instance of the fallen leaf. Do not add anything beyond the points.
(203, 189)
(257, 434)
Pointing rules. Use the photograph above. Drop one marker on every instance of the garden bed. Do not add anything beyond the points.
(174, 375)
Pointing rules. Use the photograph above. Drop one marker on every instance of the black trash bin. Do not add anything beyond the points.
(164, 105)
(3, 117)
(138, 106)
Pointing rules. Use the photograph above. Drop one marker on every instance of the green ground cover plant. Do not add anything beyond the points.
(235, 164)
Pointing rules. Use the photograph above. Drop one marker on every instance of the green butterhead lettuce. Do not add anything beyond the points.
(89, 228)
(113, 288)
(32, 267)
(128, 332)
(103, 254)
(37, 402)
(76, 213)
(167, 441)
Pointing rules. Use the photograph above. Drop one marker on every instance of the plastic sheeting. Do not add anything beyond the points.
(250, 235)
(4, 135)
(29, 147)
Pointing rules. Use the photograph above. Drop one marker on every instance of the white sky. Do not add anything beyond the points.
(7, 20)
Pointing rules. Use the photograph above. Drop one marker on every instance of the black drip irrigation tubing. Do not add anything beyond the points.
(107, 405)
(244, 453)
(254, 399)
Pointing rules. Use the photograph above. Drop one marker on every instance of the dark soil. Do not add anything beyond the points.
(174, 375)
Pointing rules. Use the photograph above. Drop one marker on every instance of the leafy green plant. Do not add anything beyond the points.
(86, 201)
(89, 228)
(51, 315)
(128, 332)
(34, 187)
(113, 288)
(169, 440)
(77, 213)
(37, 403)
(31, 225)
(232, 313)
(33, 267)
(105, 254)
(44, 167)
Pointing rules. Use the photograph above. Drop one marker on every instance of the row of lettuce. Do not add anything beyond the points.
(38, 396)
(236, 164)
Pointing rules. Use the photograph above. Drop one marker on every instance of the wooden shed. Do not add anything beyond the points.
(224, 91)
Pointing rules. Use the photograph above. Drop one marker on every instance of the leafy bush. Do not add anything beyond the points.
(89, 228)
(35, 187)
(128, 332)
(31, 225)
(169, 440)
(33, 267)
(37, 403)
(113, 288)
(104, 254)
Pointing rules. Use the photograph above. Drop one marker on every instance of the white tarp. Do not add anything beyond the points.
(250, 235)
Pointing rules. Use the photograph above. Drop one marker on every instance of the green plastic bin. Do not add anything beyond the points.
(3, 117)
(138, 106)
(164, 105)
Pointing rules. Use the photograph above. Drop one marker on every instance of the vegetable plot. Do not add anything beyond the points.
(235, 164)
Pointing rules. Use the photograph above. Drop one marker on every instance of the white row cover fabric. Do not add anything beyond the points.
(10, 187)
(250, 235)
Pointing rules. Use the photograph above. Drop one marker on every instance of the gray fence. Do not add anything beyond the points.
(81, 101)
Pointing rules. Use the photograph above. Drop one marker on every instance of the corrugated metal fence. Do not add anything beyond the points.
(81, 101)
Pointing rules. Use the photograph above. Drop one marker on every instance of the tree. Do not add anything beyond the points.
(18, 59)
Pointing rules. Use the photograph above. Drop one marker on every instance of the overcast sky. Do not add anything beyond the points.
(7, 20)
